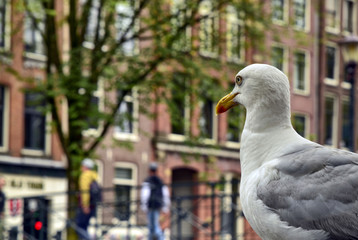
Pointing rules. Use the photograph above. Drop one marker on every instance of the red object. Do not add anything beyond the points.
(15, 206)
(38, 225)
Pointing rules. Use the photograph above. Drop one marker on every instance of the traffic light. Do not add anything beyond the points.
(35, 218)
(38, 225)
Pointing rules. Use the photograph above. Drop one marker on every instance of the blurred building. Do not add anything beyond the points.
(305, 42)
(30, 158)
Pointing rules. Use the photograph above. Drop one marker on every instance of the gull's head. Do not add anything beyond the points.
(257, 85)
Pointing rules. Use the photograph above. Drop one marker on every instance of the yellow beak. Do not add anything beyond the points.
(226, 103)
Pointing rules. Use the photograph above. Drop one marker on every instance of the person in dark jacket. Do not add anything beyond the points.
(154, 199)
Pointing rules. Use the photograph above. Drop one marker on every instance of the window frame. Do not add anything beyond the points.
(307, 18)
(134, 136)
(306, 90)
(100, 94)
(353, 20)
(213, 21)
(285, 10)
(47, 138)
(232, 19)
(335, 29)
(135, 50)
(7, 27)
(306, 122)
(333, 81)
(285, 56)
(127, 182)
(214, 120)
(234, 144)
(5, 119)
(186, 46)
(35, 55)
(334, 119)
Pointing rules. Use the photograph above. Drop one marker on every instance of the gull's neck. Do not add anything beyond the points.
(266, 132)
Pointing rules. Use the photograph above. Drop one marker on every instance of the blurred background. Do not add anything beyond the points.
(130, 82)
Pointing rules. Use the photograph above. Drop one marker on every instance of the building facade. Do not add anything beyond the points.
(304, 42)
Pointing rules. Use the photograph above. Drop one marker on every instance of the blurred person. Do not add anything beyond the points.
(2, 207)
(154, 199)
(85, 210)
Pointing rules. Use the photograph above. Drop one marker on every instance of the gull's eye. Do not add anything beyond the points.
(238, 80)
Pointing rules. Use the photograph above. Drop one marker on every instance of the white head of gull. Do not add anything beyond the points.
(291, 188)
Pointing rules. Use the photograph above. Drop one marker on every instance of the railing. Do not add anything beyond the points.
(199, 211)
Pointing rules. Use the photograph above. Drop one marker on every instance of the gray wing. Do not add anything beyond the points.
(317, 188)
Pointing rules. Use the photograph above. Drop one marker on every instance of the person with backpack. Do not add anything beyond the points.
(88, 198)
(154, 199)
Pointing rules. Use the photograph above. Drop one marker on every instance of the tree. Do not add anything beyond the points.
(121, 45)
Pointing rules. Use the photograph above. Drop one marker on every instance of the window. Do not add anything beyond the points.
(300, 13)
(179, 113)
(278, 10)
(277, 57)
(92, 23)
(231, 222)
(207, 119)
(3, 112)
(94, 123)
(330, 121)
(35, 122)
(300, 124)
(34, 28)
(178, 9)
(348, 15)
(332, 17)
(5, 24)
(236, 119)
(331, 65)
(127, 114)
(234, 44)
(125, 27)
(300, 75)
(209, 26)
(347, 125)
(125, 191)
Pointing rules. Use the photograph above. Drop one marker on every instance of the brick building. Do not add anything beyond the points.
(304, 42)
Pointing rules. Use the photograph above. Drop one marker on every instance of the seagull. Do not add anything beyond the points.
(291, 188)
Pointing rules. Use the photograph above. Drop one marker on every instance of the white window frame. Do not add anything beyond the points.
(227, 191)
(307, 17)
(285, 55)
(354, 18)
(233, 144)
(7, 27)
(307, 122)
(134, 136)
(335, 80)
(305, 91)
(176, 5)
(285, 13)
(35, 55)
(48, 141)
(6, 116)
(100, 94)
(214, 129)
(206, 9)
(334, 119)
(233, 20)
(180, 137)
(125, 4)
(129, 182)
(335, 29)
